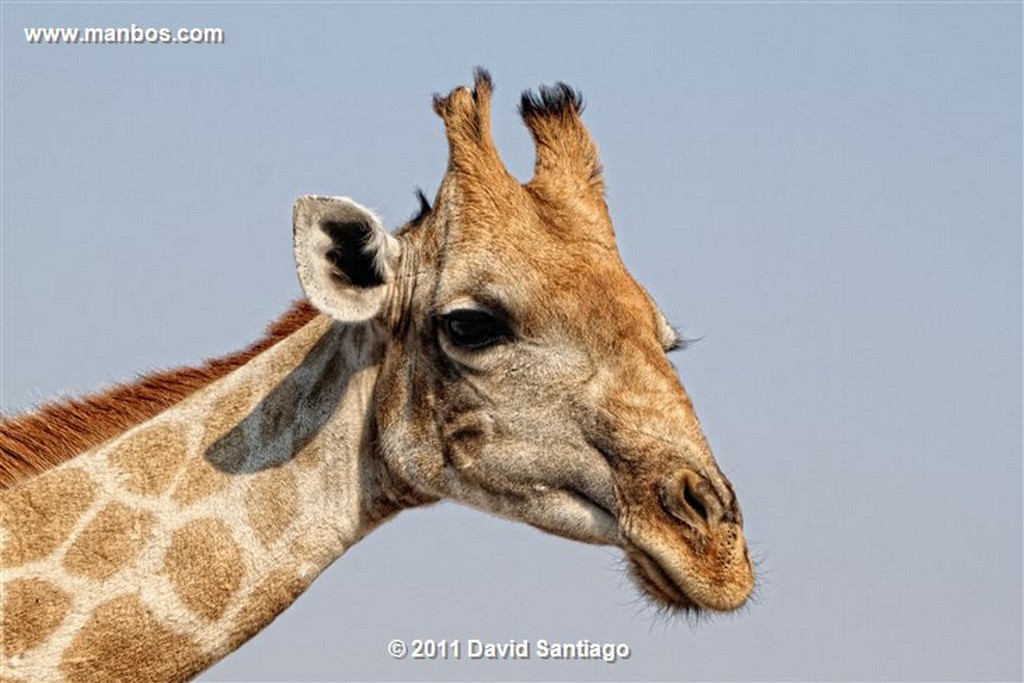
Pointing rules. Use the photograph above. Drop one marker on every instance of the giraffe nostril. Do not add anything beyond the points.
(691, 499)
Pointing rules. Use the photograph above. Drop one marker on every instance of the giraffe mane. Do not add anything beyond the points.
(35, 441)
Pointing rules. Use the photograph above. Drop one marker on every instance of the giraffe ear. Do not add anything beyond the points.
(344, 257)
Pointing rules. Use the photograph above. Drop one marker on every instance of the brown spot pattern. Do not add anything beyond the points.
(110, 541)
(201, 478)
(311, 454)
(226, 413)
(124, 641)
(316, 546)
(271, 597)
(32, 610)
(38, 516)
(151, 458)
(272, 503)
(205, 566)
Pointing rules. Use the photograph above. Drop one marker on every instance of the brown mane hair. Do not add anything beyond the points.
(57, 431)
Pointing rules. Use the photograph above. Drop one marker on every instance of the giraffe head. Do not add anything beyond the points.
(525, 371)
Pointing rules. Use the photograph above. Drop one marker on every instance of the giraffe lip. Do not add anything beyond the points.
(657, 582)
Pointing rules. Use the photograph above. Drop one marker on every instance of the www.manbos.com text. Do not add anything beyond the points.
(124, 35)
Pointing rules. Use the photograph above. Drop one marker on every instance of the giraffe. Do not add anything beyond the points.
(494, 351)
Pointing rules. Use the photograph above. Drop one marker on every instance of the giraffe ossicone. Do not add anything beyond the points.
(494, 351)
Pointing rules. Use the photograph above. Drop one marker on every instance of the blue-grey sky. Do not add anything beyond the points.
(828, 195)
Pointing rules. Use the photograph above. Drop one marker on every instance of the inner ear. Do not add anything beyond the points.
(344, 258)
(351, 254)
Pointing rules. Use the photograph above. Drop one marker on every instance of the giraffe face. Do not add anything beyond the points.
(527, 373)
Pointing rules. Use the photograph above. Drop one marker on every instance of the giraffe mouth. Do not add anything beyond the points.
(658, 584)
(714, 574)
(645, 569)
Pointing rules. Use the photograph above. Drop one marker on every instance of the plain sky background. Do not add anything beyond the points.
(829, 195)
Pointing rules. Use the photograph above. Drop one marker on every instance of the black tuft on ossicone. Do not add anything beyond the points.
(482, 76)
(551, 100)
(481, 82)
(424, 209)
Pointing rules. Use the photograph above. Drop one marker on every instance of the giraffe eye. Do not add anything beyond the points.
(474, 329)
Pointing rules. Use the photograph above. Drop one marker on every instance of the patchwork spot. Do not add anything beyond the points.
(38, 515)
(227, 416)
(124, 641)
(110, 541)
(32, 610)
(227, 411)
(150, 458)
(205, 566)
(271, 503)
(310, 455)
(271, 597)
(318, 546)
(223, 449)
(201, 479)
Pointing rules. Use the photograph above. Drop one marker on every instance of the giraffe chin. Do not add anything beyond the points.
(677, 578)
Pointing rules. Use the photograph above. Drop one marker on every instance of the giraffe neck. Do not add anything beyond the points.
(157, 553)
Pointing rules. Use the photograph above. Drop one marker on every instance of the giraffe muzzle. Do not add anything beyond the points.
(692, 555)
